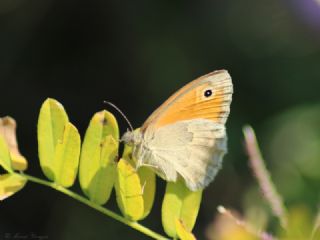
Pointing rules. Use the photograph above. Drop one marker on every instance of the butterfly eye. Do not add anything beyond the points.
(207, 93)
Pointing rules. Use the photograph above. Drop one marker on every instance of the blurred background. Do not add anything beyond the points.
(135, 54)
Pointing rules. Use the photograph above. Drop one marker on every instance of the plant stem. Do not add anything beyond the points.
(263, 177)
(95, 206)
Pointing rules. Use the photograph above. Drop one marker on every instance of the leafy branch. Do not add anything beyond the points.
(62, 158)
(95, 206)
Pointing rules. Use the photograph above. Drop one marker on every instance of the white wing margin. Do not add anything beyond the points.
(192, 149)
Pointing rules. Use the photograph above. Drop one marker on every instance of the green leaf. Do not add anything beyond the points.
(99, 152)
(19, 162)
(51, 123)
(300, 223)
(135, 189)
(180, 204)
(5, 159)
(129, 191)
(182, 232)
(66, 157)
(148, 180)
(10, 184)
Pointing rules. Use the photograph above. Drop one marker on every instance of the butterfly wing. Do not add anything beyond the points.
(192, 148)
(186, 134)
(190, 101)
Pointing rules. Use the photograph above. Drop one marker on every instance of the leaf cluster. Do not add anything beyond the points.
(99, 167)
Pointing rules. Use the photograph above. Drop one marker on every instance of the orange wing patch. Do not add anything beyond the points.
(192, 106)
(171, 99)
(190, 102)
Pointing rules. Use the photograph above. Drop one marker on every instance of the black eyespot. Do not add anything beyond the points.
(208, 93)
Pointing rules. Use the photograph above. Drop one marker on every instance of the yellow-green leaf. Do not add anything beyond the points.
(182, 232)
(99, 152)
(134, 187)
(181, 204)
(5, 159)
(51, 124)
(300, 224)
(66, 157)
(18, 161)
(8, 132)
(129, 191)
(148, 181)
(10, 184)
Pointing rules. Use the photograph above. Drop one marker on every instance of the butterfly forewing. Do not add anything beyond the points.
(190, 102)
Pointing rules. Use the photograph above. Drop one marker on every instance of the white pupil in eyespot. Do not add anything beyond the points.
(208, 93)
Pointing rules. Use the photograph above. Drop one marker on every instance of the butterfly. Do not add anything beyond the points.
(186, 137)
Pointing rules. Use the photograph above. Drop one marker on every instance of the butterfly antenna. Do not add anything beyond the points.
(122, 114)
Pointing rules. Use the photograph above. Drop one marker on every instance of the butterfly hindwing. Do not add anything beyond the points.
(192, 149)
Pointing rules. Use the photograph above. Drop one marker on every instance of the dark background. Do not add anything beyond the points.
(135, 54)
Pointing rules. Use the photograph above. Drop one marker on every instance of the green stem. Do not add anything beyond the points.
(95, 206)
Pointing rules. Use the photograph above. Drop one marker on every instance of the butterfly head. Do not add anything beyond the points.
(132, 137)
